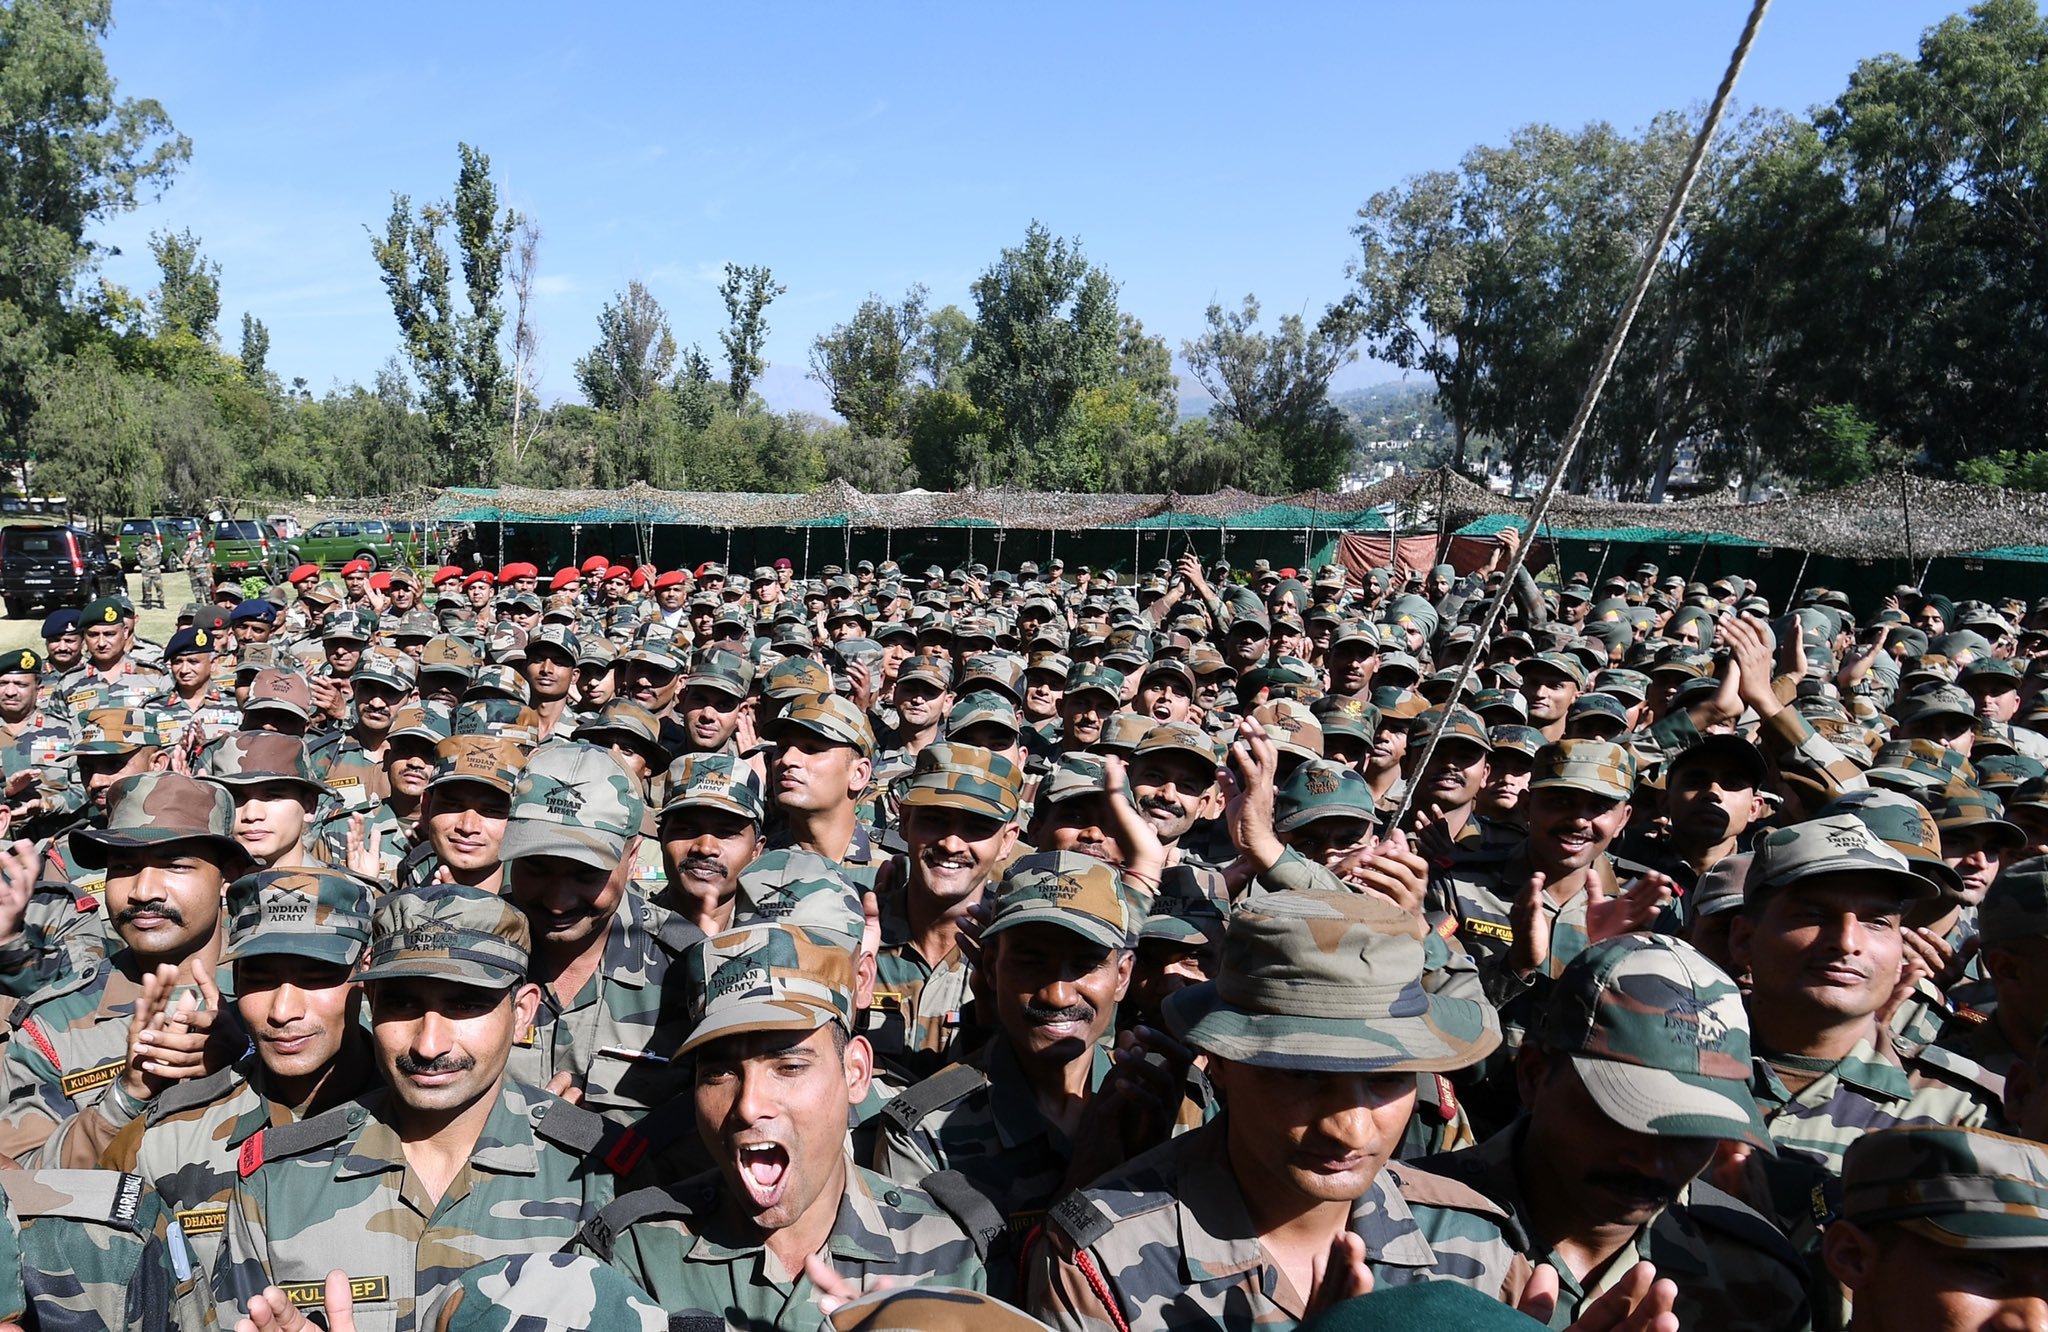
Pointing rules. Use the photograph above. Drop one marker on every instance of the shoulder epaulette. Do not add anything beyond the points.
(1420, 1186)
(977, 1215)
(303, 1136)
(198, 1092)
(1959, 1067)
(1079, 1219)
(911, 1106)
(676, 934)
(111, 1197)
(678, 1200)
(589, 1135)
(12, 1008)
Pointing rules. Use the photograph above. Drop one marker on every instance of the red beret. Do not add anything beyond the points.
(1287, 573)
(595, 563)
(673, 578)
(639, 579)
(355, 567)
(381, 581)
(782, 563)
(562, 578)
(616, 571)
(480, 576)
(304, 571)
(445, 573)
(521, 570)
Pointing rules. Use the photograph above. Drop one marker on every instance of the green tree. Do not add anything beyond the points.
(1272, 390)
(91, 436)
(948, 339)
(72, 154)
(747, 293)
(453, 348)
(1046, 330)
(255, 351)
(623, 378)
(868, 365)
(188, 286)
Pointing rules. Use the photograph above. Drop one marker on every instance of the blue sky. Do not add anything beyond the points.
(1199, 151)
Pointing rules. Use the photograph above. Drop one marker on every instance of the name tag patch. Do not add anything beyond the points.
(210, 1220)
(1490, 929)
(363, 1290)
(92, 1079)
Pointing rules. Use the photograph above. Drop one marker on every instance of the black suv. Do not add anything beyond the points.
(43, 567)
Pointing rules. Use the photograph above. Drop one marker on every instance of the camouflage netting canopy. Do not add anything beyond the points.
(1885, 517)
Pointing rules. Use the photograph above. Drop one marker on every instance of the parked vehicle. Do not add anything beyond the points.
(284, 527)
(174, 545)
(48, 566)
(336, 541)
(241, 546)
(133, 530)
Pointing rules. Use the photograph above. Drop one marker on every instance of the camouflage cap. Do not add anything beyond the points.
(343, 626)
(1603, 712)
(1002, 672)
(393, 670)
(498, 681)
(2016, 904)
(934, 668)
(948, 775)
(1341, 715)
(1918, 765)
(1838, 844)
(835, 718)
(1960, 807)
(1090, 676)
(158, 809)
(1934, 700)
(1720, 888)
(449, 932)
(1633, 686)
(1659, 1038)
(317, 913)
(1121, 732)
(627, 724)
(796, 677)
(715, 781)
(766, 977)
(983, 707)
(1181, 738)
(1052, 663)
(1073, 775)
(491, 760)
(1562, 664)
(557, 638)
(117, 731)
(1959, 1187)
(1523, 740)
(930, 1309)
(253, 758)
(1320, 789)
(1903, 824)
(725, 672)
(573, 801)
(596, 652)
(447, 654)
(1458, 724)
(1064, 888)
(1291, 727)
(1331, 983)
(499, 718)
(1182, 913)
(1398, 707)
(796, 887)
(1598, 766)
(280, 691)
(413, 722)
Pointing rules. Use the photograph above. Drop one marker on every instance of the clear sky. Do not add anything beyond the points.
(1199, 151)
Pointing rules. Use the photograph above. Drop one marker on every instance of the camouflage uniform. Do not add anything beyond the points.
(149, 559)
(1661, 1045)
(131, 686)
(336, 1190)
(82, 1257)
(540, 1292)
(617, 1034)
(690, 1246)
(213, 714)
(919, 1006)
(839, 721)
(67, 1044)
(1316, 980)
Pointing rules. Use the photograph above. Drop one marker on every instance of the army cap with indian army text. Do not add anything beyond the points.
(447, 653)
(1962, 1188)
(159, 809)
(835, 718)
(771, 976)
(449, 932)
(949, 775)
(490, 760)
(1840, 844)
(796, 677)
(574, 801)
(117, 731)
(1182, 913)
(715, 781)
(279, 691)
(1596, 766)
(797, 887)
(2016, 904)
(983, 707)
(1659, 1038)
(724, 672)
(1903, 824)
(309, 912)
(1330, 983)
(1181, 738)
(1064, 888)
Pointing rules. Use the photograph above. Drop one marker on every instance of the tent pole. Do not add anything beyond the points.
(807, 552)
(1906, 515)
(1799, 581)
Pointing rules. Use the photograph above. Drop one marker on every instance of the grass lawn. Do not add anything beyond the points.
(155, 625)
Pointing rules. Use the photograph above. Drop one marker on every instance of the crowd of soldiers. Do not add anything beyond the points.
(627, 948)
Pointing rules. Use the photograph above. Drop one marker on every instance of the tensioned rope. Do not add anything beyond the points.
(1602, 370)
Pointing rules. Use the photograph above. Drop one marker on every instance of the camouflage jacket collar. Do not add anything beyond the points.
(1874, 1070)
(505, 1147)
(1219, 1239)
(1011, 1103)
